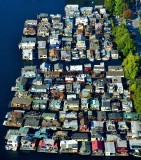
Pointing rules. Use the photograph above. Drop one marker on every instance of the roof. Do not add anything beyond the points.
(16, 114)
(29, 68)
(80, 136)
(96, 124)
(39, 101)
(101, 114)
(12, 132)
(135, 142)
(27, 139)
(23, 131)
(85, 146)
(96, 134)
(121, 143)
(71, 102)
(76, 67)
(13, 138)
(106, 103)
(61, 133)
(70, 122)
(130, 115)
(42, 52)
(135, 126)
(28, 39)
(113, 137)
(115, 115)
(68, 144)
(32, 114)
(17, 100)
(22, 81)
(49, 115)
(97, 145)
(32, 122)
(115, 73)
(38, 87)
(115, 68)
(53, 52)
(110, 147)
(114, 51)
(58, 66)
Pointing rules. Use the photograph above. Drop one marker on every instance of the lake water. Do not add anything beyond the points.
(13, 14)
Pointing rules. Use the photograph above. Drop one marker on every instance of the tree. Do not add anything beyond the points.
(125, 6)
(140, 26)
(127, 14)
(133, 87)
(137, 97)
(118, 7)
(123, 39)
(109, 4)
(131, 66)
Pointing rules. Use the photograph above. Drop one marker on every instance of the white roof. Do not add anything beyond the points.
(49, 141)
(98, 123)
(110, 147)
(70, 96)
(31, 22)
(121, 143)
(66, 142)
(70, 123)
(135, 126)
(76, 68)
(27, 51)
(12, 138)
(69, 78)
(102, 10)
(135, 142)
(71, 7)
(41, 44)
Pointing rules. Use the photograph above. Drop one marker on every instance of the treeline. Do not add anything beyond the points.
(126, 44)
(120, 7)
(123, 39)
(131, 62)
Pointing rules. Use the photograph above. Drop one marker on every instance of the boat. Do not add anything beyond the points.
(137, 153)
(67, 68)
(42, 106)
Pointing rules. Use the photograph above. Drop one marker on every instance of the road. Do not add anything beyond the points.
(135, 28)
(137, 38)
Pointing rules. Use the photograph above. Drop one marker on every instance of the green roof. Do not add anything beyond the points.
(23, 131)
(131, 115)
(48, 115)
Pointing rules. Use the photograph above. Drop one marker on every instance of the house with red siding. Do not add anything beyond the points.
(97, 148)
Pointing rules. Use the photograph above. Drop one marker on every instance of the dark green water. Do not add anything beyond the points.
(85, 2)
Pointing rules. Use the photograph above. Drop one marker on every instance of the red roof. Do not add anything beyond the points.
(42, 143)
(97, 145)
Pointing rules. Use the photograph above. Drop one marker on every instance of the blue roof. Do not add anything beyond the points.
(47, 65)
(92, 123)
(69, 20)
